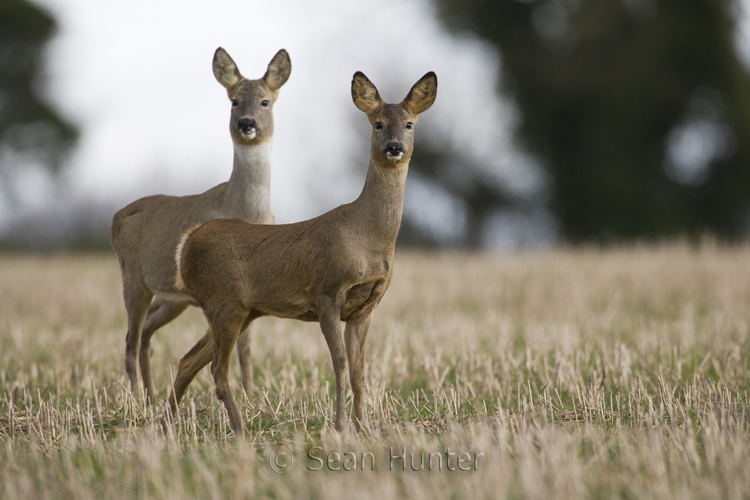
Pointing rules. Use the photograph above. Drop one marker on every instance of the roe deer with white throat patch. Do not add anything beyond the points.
(146, 233)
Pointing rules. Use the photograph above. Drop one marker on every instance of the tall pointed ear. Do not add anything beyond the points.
(278, 72)
(364, 94)
(225, 70)
(422, 94)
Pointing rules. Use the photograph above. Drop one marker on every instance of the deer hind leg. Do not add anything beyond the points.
(226, 328)
(193, 362)
(137, 300)
(199, 356)
(356, 337)
(159, 314)
(330, 324)
(243, 353)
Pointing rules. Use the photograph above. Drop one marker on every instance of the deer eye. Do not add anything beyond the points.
(409, 125)
(378, 125)
(264, 103)
(235, 103)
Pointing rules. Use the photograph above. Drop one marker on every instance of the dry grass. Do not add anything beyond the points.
(601, 374)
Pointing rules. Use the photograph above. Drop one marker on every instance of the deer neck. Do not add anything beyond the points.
(381, 204)
(248, 192)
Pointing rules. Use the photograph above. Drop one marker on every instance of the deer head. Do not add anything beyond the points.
(392, 139)
(251, 121)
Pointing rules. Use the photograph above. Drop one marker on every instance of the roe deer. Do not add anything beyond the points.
(333, 268)
(145, 233)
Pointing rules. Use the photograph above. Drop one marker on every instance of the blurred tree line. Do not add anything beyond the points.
(32, 133)
(638, 110)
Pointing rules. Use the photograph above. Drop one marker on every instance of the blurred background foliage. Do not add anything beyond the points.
(638, 111)
(32, 133)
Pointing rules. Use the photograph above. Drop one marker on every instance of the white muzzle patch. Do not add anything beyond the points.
(392, 157)
(249, 135)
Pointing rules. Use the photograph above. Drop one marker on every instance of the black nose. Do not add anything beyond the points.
(246, 124)
(395, 148)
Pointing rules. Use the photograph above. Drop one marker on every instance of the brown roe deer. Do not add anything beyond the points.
(146, 233)
(333, 268)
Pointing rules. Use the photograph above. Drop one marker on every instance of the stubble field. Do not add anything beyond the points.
(587, 373)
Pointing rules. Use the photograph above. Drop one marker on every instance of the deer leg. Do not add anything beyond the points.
(356, 337)
(159, 314)
(226, 330)
(243, 353)
(199, 356)
(136, 304)
(330, 324)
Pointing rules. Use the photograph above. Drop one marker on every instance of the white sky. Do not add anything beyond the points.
(743, 34)
(136, 77)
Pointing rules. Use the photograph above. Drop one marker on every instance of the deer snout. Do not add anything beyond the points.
(394, 151)
(248, 128)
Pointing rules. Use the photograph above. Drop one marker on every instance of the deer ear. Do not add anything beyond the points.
(422, 94)
(364, 94)
(278, 71)
(225, 70)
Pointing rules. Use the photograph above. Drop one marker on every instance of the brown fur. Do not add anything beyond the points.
(333, 268)
(146, 233)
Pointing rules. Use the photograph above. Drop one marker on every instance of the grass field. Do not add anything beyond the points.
(618, 373)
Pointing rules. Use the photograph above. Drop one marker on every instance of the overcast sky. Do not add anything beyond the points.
(136, 78)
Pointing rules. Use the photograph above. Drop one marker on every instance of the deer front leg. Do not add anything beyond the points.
(356, 337)
(329, 316)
